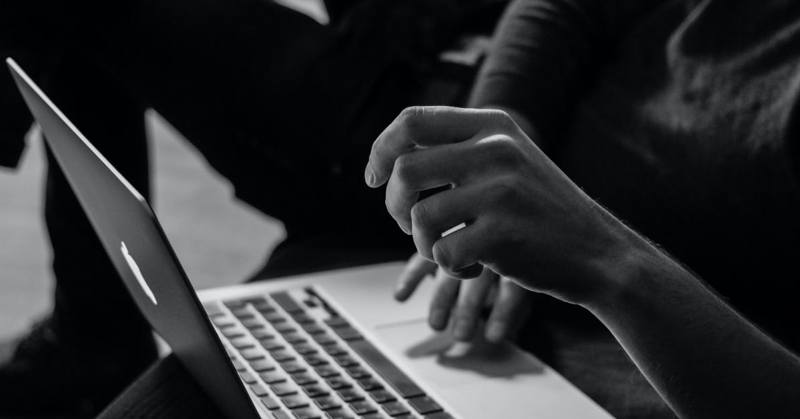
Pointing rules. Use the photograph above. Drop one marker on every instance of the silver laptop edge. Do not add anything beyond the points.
(466, 383)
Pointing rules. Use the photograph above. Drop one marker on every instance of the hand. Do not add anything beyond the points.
(462, 302)
(523, 218)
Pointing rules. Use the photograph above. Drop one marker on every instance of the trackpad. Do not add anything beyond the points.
(471, 378)
(442, 361)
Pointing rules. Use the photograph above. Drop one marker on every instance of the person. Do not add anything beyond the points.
(678, 117)
(278, 103)
(640, 165)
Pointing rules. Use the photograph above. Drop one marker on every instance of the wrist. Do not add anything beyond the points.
(620, 270)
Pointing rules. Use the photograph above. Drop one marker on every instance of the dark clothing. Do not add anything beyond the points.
(276, 102)
(280, 105)
(680, 117)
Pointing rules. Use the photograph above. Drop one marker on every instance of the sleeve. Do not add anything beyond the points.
(546, 53)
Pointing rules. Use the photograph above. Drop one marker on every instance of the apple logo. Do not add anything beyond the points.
(137, 273)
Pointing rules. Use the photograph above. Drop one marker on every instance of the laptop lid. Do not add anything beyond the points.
(138, 248)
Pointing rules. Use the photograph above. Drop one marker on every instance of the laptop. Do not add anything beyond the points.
(324, 345)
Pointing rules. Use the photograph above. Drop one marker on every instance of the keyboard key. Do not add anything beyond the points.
(306, 413)
(327, 403)
(315, 390)
(394, 409)
(313, 359)
(283, 389)
(382, 396)
(303, 318)
(286, 302)
(223, 322)
(270, 344)
(294, 337)
(304, 348)
(294, 402)
(270, 403)
(324, 339)
(285, 328)
(345, 360)
(348, 333)
(337, 383)
(261, 365)
(334, 350)
(313, 328)
(281, 355)
(233, 333)
(247, 377)
(424, 404)
(293, 367)
(242, 342)
(350, 394)
(234, 304)
(362, 407)
(303, 378)
(338, 414)
(273, 317)
(272, 377)
(369, 384)
(254, 300)
(252, 353)
(242, 313)
(326, 371)
(439, 415)
(387, 370)
(357, 371)
(262, 333)
(374, 415)
(337, 321)
(252, 324)
(259, 389)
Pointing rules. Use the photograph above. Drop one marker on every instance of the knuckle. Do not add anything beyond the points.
(410, 115)
(421, 215)
(506, 189)
(403, 168)
(502, 119)
(443, 256)
(504, 150)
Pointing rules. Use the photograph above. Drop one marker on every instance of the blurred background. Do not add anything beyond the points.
(218, 240)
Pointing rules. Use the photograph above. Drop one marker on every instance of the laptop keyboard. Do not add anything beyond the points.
(302, 360)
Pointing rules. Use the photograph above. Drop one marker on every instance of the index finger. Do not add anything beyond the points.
(424, 126)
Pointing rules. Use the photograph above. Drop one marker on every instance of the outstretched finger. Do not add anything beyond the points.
(414, 272)
(444, 298)
(510, 310)
(471, 301)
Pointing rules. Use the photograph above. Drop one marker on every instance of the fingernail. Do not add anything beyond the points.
(495, 331)
(369, 175)
(438, 319)
(462, 330)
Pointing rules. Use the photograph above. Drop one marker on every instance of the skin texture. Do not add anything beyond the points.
(526, 221)
(461, 303)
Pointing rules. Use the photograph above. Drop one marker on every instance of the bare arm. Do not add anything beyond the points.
(704, 358)
(526, 220)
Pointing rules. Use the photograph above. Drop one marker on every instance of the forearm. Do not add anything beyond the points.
(702, 356)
